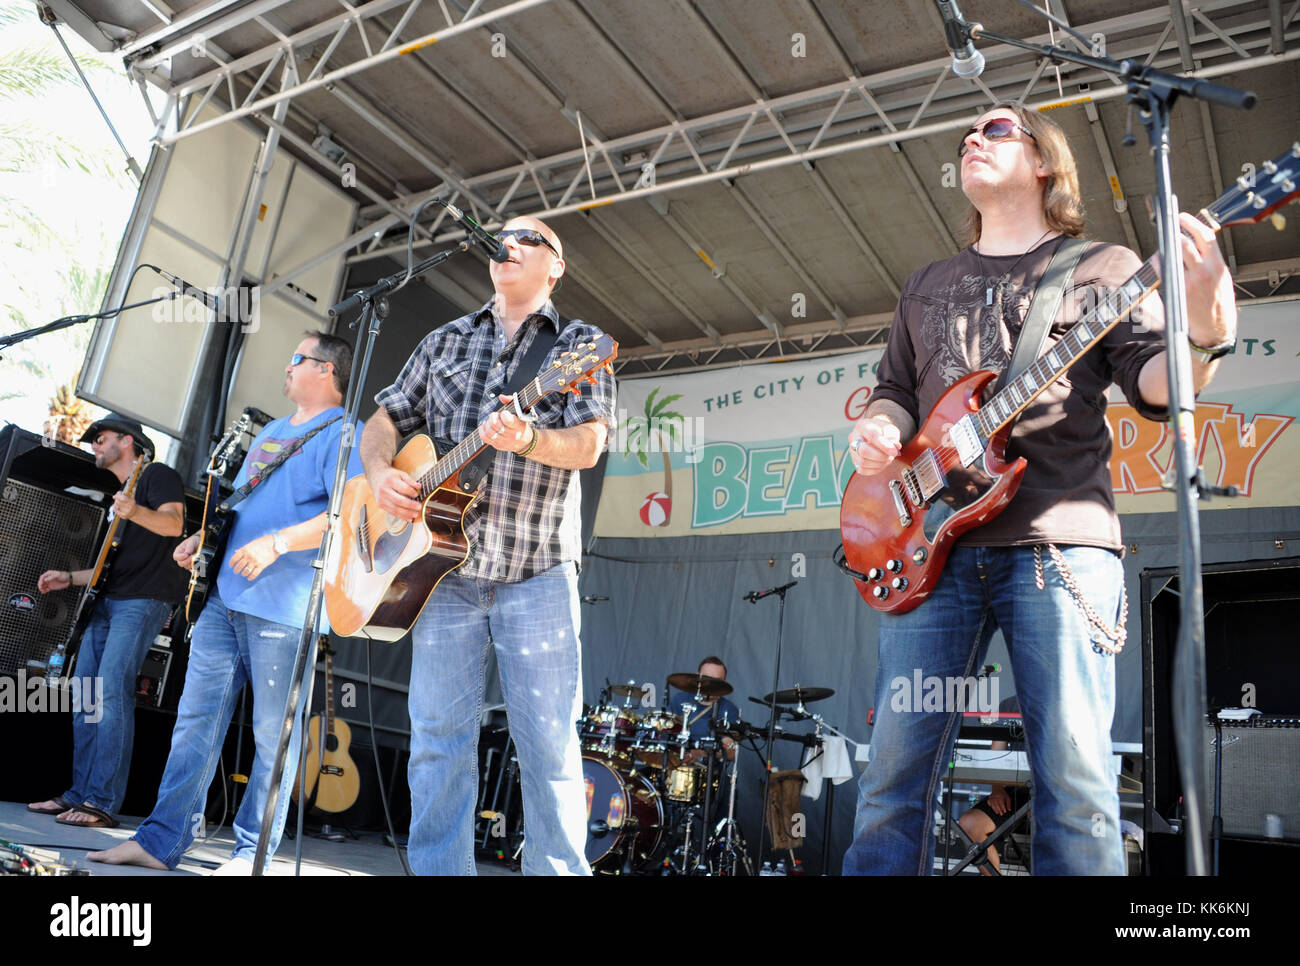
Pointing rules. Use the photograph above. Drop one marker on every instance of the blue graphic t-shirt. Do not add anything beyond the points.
(298, 490)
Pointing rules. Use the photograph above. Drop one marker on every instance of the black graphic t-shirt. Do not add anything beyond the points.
(963, 314)
(143, 566)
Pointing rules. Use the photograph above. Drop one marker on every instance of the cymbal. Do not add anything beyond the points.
(699, 683)
(627, 691)
(797, 694)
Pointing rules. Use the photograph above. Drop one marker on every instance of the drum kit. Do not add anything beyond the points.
(648, 779)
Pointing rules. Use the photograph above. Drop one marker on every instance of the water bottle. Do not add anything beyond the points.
(767, 869)
(780, 868)
(54, 666)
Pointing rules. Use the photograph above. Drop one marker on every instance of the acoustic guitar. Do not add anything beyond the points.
(330, 781)
(381, 569)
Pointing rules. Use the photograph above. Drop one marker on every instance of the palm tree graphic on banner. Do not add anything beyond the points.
(662, 426)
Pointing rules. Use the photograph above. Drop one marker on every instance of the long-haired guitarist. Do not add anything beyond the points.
(137, 589)
(1046, 570)
(249, 628)
(518, 588)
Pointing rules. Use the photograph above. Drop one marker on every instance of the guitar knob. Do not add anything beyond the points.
(880, 591)
(919, 555)
(899, 583)
(894, 566)
(875, 573)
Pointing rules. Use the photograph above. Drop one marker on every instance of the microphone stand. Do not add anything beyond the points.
(374, 309)
(1154, 93)
(754, 597)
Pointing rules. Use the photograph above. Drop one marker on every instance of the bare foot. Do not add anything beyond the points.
(128, 853)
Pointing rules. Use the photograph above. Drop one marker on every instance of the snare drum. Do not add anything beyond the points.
(625, 816)
(684, 783)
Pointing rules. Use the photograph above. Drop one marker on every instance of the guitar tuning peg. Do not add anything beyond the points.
(591, 379)
(1277, 220)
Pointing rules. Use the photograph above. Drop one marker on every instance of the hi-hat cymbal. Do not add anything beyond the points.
(699, 684)
(797, 694)
(627, 691)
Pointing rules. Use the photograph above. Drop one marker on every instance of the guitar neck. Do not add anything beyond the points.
(1016, 396)
(468, 448)
(111, 538)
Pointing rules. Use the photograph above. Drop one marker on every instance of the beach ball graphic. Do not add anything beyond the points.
(655, 509)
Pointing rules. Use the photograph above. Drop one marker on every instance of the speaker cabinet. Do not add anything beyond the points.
(39, 530)
(1252, 659)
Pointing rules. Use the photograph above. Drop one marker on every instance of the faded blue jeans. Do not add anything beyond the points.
(112, 649)
(1066, 688)
(227, 649)
(533, 626)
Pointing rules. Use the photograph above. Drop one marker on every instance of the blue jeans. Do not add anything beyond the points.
(113, 647)
(1067, 697)
(533, 625)
(227, 649)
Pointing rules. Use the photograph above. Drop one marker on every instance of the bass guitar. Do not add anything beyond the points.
(899, 525)
(103, 562)
(381, 569)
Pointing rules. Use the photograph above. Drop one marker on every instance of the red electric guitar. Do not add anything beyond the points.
(899, 525)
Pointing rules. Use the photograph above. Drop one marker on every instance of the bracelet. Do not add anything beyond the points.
(537, 434)
(1214, 352)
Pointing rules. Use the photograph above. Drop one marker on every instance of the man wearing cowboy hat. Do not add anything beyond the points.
(140, 589)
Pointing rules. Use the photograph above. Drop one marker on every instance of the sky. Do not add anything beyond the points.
(88, 212)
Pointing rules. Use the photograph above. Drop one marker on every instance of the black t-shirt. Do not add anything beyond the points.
(143, 566)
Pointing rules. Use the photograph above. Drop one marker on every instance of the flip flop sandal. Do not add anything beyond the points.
(101, 818)
(58, 799)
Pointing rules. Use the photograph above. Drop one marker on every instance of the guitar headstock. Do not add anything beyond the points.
(1260, 193)
(580, 365)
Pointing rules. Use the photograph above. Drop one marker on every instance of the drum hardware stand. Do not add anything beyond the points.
(754, 596)
(734, 850)
(978, 853)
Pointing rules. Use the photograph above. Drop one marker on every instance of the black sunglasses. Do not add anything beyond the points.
(998, 129)
(527, 236)
(298, 357)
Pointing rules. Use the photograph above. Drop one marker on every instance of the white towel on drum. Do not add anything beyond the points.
(833, 763)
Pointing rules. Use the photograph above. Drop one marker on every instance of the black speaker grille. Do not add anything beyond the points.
(39, 530)
(1261, 775)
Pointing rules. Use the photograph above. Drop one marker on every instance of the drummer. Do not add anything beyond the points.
(710, 667)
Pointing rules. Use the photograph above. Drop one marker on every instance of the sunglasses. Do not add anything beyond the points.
(298, 357)
(998, 129)
(527, 236)
(104, 439)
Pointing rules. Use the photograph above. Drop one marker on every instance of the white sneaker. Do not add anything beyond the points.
(236, 866)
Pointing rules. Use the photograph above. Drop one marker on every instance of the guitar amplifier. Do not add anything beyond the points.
(1261, 772)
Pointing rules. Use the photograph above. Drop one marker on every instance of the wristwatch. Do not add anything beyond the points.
(279, 544)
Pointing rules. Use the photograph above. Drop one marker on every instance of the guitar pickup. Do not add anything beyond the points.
(900, 504)
(363, 545)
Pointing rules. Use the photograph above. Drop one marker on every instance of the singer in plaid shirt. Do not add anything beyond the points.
(518, 590)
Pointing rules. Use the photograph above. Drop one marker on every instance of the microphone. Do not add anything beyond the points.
(988, 669)
(966, 60)
(754, 596)
(186, 288)
(257, 415)
(490, 243)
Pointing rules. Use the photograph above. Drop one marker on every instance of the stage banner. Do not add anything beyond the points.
(762, 448)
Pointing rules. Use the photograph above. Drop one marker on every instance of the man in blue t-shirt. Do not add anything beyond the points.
(250, 626)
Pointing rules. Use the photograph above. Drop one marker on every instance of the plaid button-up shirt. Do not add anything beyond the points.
(528, 519)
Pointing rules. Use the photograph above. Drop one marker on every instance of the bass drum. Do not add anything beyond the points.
(625, 817)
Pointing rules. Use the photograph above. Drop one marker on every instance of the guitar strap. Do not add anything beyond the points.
(531, 364)
(1043, 308)
(255, 481)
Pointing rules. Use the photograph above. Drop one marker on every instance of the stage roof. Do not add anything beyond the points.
(733, 179)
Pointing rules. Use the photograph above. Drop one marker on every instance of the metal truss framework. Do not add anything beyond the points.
(800, 128)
